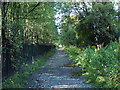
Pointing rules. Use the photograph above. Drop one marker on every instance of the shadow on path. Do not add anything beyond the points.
(54, 75)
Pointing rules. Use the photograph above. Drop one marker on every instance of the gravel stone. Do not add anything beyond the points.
(54, 75)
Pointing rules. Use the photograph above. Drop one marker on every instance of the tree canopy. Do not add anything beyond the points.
(89, 23)
(26, 23)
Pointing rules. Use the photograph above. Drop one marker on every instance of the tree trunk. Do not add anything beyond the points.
(5, 43)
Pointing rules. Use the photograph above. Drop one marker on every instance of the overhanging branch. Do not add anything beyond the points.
(32, 9)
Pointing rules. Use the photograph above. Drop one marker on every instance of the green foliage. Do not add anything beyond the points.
(40, 25)
(86, 23)
(18, 79)
(101, 66)
(24, 24)
(72, 51)
(68, 35)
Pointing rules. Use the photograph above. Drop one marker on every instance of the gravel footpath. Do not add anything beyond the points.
(54, 75)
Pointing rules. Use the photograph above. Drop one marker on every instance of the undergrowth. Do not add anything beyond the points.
(100, 66)
(18, 79)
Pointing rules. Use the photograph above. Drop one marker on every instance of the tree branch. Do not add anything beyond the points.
(32, 9)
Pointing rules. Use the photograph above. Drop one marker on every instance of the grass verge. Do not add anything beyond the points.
(18, 79)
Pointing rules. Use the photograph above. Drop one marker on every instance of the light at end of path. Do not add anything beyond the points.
(60, 45)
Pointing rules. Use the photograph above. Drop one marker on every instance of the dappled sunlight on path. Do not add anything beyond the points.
(54, 75)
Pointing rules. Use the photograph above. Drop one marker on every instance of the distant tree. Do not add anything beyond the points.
(94, 23)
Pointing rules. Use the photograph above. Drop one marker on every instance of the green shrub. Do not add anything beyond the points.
(72, 51)
(101, 66)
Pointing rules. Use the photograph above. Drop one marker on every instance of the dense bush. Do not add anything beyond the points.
(100, 66)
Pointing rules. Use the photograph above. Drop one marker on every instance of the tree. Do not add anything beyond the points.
(94, 23)
(26, 23)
